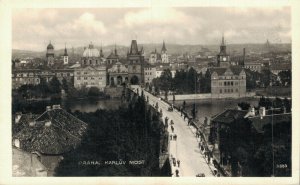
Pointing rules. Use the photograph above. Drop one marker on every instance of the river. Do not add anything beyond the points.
(208, 108)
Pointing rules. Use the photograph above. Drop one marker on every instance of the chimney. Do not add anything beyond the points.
(284, 109)
(48, 123)
(262, 112)
(56, 107)
(32, 123)
(48, 108)
(250, 113)
(18, 117)
(244, 55)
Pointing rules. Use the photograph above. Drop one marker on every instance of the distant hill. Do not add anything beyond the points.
(173, 49)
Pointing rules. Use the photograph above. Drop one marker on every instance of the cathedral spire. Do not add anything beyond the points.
(163, 49)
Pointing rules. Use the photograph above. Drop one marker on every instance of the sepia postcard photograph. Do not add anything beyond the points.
(146, 90)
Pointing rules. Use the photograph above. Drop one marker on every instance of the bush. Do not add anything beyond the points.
(93, 91)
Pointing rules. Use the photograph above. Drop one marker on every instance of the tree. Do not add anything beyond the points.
(244, 105)
(285, 77)
(65, 85)
(134, 80)
(205, 83)
(266, 77)
(93, 91)
(54, 85)
(194, 111)
(43, 87)
(166, 80)
(183, 105)
(192, 80)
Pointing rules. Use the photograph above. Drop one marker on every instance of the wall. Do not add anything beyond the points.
(188, 96)
(207, 96)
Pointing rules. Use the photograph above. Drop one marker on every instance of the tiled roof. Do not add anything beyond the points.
(229, 115)
(259, 122)
(221, 71)
(62, 134)
(112, 56)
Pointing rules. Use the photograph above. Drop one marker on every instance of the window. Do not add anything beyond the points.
(225, 90)
(231, 83)
(85, 78)
(220, 90)
(225, 83)
(78, 78)
(236, 90)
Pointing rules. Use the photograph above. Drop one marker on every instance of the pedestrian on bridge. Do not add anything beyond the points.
(172, 123)
(175, 137)
(171, 136)
(172, 128)
(166, 120)
(178, 163)
(174, 162)
(177, 172)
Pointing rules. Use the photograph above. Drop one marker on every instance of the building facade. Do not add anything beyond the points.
(25, 77)
(113, 57)
(153, 57)
(118, 74)
(149, 73)
(228, 82)
(90, 76)
(253, 66)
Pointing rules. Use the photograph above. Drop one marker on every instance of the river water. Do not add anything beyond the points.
(208, 108)
(91, 105)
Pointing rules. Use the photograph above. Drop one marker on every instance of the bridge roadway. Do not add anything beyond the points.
(185, 148)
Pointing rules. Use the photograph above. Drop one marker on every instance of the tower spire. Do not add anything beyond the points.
(223, 41)
(164, 49)
(66, 53)
(115, 49)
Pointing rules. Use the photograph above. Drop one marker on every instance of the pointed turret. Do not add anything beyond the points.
(223, 41)
(116, 50)
(223, 46)
(101, 52)
(134, 48)
(164, 49)
(66, 52)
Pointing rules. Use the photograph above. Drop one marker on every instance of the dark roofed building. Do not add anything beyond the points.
(248, 129)
(259, 122)
(54, 132)
(50, 135)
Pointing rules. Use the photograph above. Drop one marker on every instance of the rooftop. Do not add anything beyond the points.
(53, 132)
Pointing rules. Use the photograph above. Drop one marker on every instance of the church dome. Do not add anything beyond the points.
(50, 46)
(91, 51)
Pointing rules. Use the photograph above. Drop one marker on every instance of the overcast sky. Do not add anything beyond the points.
(33, 28)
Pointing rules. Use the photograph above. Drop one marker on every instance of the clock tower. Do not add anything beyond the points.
(223, 57)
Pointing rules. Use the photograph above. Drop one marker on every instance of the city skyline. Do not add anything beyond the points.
(109, 26)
